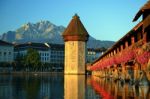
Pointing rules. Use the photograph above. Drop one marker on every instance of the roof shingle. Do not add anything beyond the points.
(75, 28)
(146, 7)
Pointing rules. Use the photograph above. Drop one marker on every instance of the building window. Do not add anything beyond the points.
(9, 53)
(4, 53)
(42, 58)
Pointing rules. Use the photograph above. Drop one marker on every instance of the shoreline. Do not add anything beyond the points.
(34, 73)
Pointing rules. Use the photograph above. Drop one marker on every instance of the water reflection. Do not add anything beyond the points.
(46, 86)
(109, 89)
(31, 87)
(74, 86)
(79, 87)
(58, 86)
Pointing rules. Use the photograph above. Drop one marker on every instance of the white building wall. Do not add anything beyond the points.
(57, 56)
(44, 55)
(22, 53)
(91, 56)
(6, 53)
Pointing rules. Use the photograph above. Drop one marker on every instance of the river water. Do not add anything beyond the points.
(59, 86)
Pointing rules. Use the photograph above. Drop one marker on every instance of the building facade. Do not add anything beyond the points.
(49, 53)
(93, 54)
(6, 52)
(42, 48)
(57, 56)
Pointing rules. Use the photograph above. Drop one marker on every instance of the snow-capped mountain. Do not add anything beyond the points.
(45, 31)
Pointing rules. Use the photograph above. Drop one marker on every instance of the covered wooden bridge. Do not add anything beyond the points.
(128, 58)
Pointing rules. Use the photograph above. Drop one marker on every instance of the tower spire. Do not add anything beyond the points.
(75, 31)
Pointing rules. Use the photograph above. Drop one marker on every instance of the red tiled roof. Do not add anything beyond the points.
(143, 9)
(75, 29)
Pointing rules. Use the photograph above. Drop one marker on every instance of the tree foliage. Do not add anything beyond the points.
(32, 59)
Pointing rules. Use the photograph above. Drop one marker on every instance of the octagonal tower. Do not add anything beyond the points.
(75, 37)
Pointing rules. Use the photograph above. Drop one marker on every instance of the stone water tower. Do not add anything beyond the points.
(75, 37)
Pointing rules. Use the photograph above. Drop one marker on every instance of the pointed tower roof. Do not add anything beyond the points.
(146, 7)
(75, 30)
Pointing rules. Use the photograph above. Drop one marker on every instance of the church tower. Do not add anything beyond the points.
(75, 37)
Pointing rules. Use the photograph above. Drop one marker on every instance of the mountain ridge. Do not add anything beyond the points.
(45, 31)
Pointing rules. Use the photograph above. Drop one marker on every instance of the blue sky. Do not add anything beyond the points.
(103, 19)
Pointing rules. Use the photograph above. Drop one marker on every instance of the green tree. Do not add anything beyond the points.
(32, 59)
(19, 62)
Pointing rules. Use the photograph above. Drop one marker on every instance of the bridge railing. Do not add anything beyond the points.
(138, 52)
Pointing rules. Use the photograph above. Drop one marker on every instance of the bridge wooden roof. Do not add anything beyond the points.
(131, 32)
(142, 10)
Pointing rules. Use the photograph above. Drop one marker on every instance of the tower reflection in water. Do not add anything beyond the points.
(108, 89)
(74, 87)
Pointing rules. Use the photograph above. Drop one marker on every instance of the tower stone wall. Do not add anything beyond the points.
(75, 57)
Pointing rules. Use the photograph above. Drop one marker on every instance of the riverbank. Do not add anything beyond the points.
(32, 73)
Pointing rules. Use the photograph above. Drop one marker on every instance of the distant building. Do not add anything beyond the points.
(6, 52)
(57, 55)
(49, 53)
(94, 54)
(43, 49)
